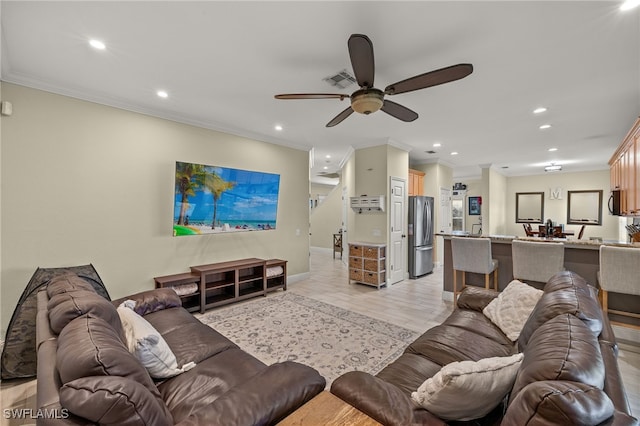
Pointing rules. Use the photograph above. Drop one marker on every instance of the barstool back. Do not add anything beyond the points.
(536, 261)
(472, 255)
(619, 273)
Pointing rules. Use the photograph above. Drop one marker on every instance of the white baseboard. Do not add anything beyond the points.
(447, 296)
(298, 277)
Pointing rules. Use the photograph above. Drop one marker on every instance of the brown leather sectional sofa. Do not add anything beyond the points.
(86, 374)
(569, 352)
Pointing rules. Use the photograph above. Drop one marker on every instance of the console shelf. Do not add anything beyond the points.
(221, 283)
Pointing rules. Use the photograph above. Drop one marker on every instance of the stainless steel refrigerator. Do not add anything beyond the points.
(420, 230)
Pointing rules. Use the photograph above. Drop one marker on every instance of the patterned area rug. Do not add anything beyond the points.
(292, 327)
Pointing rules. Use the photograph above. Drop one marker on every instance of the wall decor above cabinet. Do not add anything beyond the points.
(584, 207)
(529, 207)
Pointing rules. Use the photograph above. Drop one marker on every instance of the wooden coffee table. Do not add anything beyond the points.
(328, 410)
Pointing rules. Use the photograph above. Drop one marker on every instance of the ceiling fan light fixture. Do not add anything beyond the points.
(366, 101)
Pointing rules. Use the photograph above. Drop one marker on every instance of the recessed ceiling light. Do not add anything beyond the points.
(539, 110)
(97, 44)
(326, 168)
(454, 153)
(162, 94)
(545, 126)
(629, 4)
(552, 149)
(437, 145)
(278, 127)
(327, 156)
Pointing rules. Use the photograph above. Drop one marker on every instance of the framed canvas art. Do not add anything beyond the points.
(213, 199)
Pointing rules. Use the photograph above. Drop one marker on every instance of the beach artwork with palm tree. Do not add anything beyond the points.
(211, 199)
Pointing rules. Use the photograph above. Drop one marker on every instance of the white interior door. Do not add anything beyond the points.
(397, 254)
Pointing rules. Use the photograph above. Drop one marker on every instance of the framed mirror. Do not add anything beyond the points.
(529, 207)
(584, 207)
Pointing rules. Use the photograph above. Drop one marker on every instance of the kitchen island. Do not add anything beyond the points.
(580, 256)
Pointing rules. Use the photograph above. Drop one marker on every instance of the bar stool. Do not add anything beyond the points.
(472, 255)
(536, 261)
(337, 244)
(619, 273)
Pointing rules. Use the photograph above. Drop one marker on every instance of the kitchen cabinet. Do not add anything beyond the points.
(416, 182)
(625, 172)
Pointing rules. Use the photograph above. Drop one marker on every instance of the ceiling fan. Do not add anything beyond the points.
(368, 99)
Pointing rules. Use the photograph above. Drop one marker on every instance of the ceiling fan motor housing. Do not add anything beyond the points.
(366, 101)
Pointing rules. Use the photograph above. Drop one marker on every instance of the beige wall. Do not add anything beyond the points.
(556, 210)
(317, 191)
(85, 183)
(371, 179)
(326, 219)
(474, 189)
(502, 201)
(497, 200)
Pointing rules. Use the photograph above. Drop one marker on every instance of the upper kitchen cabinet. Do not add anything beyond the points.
(416, 182)
(625, 172)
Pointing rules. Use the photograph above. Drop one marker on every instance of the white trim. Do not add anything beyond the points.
(447, 296)
(298, 277)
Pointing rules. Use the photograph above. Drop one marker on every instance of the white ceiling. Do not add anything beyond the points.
(222, 63)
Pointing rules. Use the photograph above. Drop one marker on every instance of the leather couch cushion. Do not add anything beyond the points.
(566, 280)
(67, 282)
(112, 400)
(562, 349)
(409, 371)
(475, 298)
(197, 388)
(64, 307)
(559, 403)
(265, 399)
(564, 296)
(90, 347)
(189, 339)
(150, 301)
(465, 335)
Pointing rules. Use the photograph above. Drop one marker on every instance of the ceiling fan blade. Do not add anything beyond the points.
(398, 111)
(361, 54)
(340, 96)
(340, 117)
(429, 79)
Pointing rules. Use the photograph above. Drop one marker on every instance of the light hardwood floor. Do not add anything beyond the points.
(414, 304)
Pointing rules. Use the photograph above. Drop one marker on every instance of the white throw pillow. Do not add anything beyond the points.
(468, 390)
(147, 345)
(511, 309)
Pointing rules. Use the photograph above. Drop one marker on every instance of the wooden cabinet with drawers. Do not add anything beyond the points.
(367, 263)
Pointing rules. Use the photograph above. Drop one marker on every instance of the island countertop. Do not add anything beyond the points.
(580, 256)
(568, 242)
